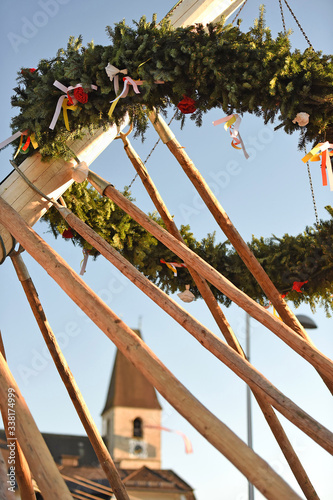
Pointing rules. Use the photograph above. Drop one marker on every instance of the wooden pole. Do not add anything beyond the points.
(22, 471)
(226, 225)
(93, 483)
(68, 379)
(210, 341)
(218, 434)
(321, 362)
(99, 488)
(41, 463)
(269, 414)
(5, 493)
(201, 284)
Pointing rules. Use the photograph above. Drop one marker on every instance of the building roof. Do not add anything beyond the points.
(68, 445)
(128, 387)
(143, 479)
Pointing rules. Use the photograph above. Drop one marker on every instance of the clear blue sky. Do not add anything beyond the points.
(269, 194)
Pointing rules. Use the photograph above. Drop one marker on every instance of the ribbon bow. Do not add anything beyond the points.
(173, 265)
(31, 139)
(322, 149)
(113, 74)
(232, 122)
(63, 103)
(127, 81)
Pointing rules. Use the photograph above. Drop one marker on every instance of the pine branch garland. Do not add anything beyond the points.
(307, 256)
(219, 68)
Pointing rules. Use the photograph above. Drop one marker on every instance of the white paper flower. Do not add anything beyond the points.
(302, 119)
(112, 71)
(80, 172)
(186, 296)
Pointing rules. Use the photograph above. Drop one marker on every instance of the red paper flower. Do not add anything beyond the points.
(80, 95)
(187, 105)
(297, 285)
(67, 234)
(31, 70)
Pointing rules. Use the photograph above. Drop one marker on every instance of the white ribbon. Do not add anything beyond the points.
(84, 261)
(10, 139)
(128, 81)
(65, 89)
(112, 73)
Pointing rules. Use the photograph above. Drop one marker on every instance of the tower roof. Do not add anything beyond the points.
(128, 387)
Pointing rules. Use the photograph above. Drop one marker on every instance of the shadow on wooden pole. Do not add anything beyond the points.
(264, 478)
(67, 377)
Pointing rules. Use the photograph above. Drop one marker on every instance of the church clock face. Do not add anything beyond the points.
(138, 448)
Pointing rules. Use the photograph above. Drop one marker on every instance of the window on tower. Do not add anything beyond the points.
(137, 428)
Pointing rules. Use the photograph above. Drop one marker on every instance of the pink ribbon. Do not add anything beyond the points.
(187, 442)
(232, 122)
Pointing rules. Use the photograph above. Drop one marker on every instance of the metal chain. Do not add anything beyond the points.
(282, 16)
(312, 192)
(240, 10)
(153, 148)
(298, 24)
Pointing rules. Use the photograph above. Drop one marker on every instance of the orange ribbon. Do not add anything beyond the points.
(322, 149)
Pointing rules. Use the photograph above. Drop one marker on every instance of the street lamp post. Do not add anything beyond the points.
(307, 323)
(248, 402)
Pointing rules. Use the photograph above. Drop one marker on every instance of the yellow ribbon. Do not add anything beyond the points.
(230, 122)
(32, 140)
(113, 105)
(314, 151)
(19, 147)
(65, 107)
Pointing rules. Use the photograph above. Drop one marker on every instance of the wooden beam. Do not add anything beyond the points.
(105, 488)
(210, 341)
(22, 471)
(268, 412)
(167, 218)
(218, 434)
(87, 495)
(32, 443)
(95, 486)
(68, 379)
(53, 178)
(221, 217)
(321, 362)
(5, 493)
(187, 12)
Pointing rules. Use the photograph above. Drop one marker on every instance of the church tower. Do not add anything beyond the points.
(131, 418)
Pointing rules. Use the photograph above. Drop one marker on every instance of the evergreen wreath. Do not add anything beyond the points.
(216, 67)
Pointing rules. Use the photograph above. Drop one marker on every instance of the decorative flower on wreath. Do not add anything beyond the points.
(67, 234)
(31, 70)
(80, 95)
(187, 105)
